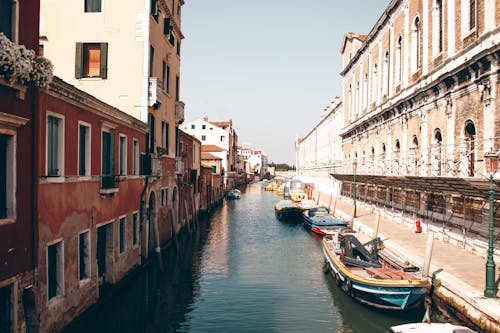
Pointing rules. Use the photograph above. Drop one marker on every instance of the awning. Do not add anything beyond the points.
(469, 187)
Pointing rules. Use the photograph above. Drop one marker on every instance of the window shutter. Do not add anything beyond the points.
(79, 61)
(103, 63)
(112, 153)
(166, 26)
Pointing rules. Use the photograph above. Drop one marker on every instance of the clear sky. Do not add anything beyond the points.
(272, 66)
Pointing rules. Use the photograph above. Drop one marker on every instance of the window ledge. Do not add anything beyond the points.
(469, 33)
(56, 179)
(20, 89)
(91, 79)
(7, 220)
(109, 191)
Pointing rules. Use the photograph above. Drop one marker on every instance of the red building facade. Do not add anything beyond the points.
(89, 187)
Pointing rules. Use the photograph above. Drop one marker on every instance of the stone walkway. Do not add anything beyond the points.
(461, 272)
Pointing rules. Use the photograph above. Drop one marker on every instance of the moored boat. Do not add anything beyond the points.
(430, 328)
(286, 208)
(233, 194)
(319, 221)
(358, 271)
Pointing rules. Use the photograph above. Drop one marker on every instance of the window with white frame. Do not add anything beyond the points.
(387, 66)
(107, 167)
(9, 18)
(374, 82)
(93, 6)
(468, 16)
(123, 154)
(358, 95)
(84, 149)
(135, 228)
(55, 270)
(84, 255)
(136, 158)
(437, 27)
(91, 60)
(7, 179)
(365, 91)
(122, 234)
(416, 45)
(399, 59)
(55, 145)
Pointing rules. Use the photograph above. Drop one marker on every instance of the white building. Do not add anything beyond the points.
(320, 151)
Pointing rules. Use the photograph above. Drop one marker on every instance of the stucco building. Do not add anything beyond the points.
(129, 59)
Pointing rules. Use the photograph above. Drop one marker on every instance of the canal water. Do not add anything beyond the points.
(241, 271)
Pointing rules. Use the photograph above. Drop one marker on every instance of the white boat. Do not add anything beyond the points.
(430, 328)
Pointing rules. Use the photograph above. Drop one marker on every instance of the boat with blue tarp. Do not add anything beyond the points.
(319, 221)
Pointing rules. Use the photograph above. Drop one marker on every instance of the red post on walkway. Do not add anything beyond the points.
(418, 226)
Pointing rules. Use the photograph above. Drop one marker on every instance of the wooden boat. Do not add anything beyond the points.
(319, 221)
(233, 194)
(298, 195)
(361, 274)
(430, 328)
(286, 208)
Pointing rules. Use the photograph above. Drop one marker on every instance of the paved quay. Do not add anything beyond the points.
(460, 272)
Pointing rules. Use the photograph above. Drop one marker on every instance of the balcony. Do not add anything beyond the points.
(179, 166)
(179, 112)
(154, 92)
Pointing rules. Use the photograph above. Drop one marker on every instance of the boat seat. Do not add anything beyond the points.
(388, 273)
(375, 273)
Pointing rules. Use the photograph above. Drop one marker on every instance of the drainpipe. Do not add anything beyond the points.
(141, 210)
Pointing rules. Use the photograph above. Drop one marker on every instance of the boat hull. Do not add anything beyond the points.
(399, 295)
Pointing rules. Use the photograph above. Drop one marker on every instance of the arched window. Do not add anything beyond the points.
(416, 47)
(349, 102)
(397, 150)
(365, 91)
(358, 99)
(386, 79)
(374, 82)
(414, 156)
(437, 152)
(399, 59)
(437, 27)
(470, 137)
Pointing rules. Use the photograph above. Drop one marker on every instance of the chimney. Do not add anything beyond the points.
(206, 119)
(337, 100)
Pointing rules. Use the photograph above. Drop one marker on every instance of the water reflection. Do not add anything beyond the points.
(243, 271)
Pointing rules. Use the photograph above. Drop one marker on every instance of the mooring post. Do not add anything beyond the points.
(428, 254)
(334, 206)
(157, 241)
(377, 223)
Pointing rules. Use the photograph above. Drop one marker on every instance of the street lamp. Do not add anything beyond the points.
(354, 167)
(491, 161)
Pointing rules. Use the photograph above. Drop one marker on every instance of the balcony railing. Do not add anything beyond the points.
(179, 112)
(154, 92)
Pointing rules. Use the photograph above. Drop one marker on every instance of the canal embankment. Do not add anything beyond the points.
(458, 274)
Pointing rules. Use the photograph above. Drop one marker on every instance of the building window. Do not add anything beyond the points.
(91, 60)
(135, 226)
(374, 82)
(163, 138)
(123, 155)
(154, 9)
(167, 133)
(83, 150)
(177, 88)
(55, 146)
(107, 153)
(416, 44)
(214, 169)
(222, 138)
(92, 6)
(150, 137)
(151, 60)
(84, 255)
(55, 270)
(193, 126)
(437, 27)
(178, 48)
(163, 196)
(167, 29)
(472, 14)
(122, 234)
(7, 167)
(203, 138)
(7, 20)
(203, 126)
(399, 59)
(387, 66)
(136, 158)
(6, 308)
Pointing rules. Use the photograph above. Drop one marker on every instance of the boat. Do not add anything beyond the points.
(319, 221)
(286, 209)
(363, 275)
(298, 195)
(430, 328)
(233, 194)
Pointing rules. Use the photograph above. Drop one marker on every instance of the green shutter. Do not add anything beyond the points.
(167, 135)
(112, 153)
(103, 70)
(79, 61)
